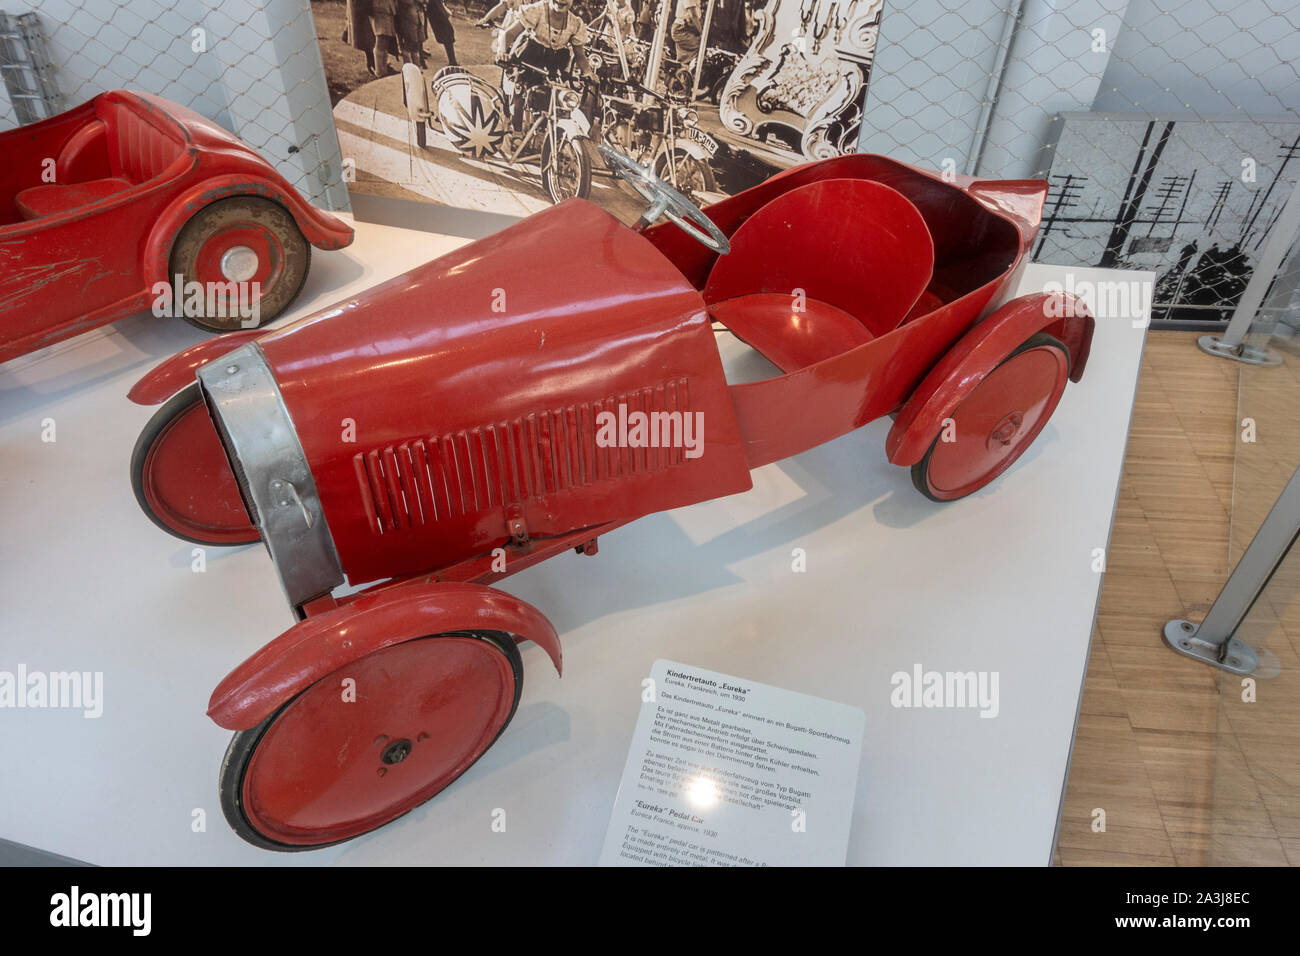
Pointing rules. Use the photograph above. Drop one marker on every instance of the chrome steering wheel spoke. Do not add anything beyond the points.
(666, 202)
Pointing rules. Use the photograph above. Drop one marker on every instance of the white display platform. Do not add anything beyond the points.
(1003, 581)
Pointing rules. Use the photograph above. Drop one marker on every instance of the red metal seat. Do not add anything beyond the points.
(128, 144)
(768, 323)
(142, 142)
(822, 269)
(55, 198)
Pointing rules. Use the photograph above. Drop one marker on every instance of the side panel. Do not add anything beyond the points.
(784, 416)
(62, 275)
(977, 354)
(320, 645)
(438, 407)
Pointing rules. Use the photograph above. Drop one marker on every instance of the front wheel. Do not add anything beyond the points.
(569, 176)
(997, 422)
(323, 769)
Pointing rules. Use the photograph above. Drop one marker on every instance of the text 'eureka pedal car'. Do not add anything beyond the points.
(481, 433)
(102, 203)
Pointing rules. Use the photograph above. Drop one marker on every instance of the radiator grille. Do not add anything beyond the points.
(426, 480)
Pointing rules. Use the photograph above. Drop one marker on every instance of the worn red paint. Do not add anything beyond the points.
(128, 171)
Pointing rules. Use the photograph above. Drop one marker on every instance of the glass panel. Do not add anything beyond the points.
(1255, 803)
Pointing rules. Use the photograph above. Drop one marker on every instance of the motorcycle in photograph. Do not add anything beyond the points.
(661, 133)
(474, 116)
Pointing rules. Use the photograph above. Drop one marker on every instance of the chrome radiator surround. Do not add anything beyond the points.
(245, 402)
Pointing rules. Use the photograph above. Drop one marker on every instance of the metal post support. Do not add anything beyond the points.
(1232, 344)
(1213, 641)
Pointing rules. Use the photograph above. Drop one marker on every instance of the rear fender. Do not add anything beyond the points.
(321, 645)
(976, 354)
(319, 227)
(166, 379)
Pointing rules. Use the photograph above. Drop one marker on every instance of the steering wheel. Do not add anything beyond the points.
(665, 201)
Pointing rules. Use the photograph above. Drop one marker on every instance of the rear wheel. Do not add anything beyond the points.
(241, 241)
(323, 769)
(182, 478)
(997, 422)
(688, 174)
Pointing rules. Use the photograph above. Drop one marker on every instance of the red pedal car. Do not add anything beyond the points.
(489, 409)
(101, 203)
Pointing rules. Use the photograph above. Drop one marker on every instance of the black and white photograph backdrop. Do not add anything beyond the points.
(1191, 199)
(502, 108)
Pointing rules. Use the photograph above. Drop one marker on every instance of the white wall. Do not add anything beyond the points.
(930, 72)
(931, 75)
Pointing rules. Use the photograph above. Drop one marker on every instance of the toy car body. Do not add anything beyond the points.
(100, 204)
(477, 415)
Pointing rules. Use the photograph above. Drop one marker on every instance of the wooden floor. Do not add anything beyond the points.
(1186, 772)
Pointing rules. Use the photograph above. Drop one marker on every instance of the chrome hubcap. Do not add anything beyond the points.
(239, 264)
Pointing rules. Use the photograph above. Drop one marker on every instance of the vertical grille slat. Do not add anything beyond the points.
(430, 479)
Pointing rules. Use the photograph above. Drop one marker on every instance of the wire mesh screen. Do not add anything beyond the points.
(1168, 129)
(252, 66)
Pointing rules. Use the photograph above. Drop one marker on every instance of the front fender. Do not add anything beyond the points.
(976, 354)
(573, 129)
(415, 93)
(317, 647)
(692, 149)
(171, 375)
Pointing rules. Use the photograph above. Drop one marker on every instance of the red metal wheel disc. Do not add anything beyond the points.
(240, 242)
(999, 419)
(183, 479)
(326, 769)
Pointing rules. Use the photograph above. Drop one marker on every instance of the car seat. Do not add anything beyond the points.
(821, 269)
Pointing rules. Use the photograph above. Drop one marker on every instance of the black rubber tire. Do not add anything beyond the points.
(919, 470)
(580, 156)
(707, 181)
(230, 782)
(223, 213)
(174, 406)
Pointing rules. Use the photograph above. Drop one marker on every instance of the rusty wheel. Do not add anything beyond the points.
(246, 245)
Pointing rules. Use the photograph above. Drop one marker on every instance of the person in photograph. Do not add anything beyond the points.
(685, 31)
(729, 26)
(506, 12)
(546, 36)
(443, 32)
(645, 20)
(625, 18)
(383, 27)
(408, 21)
